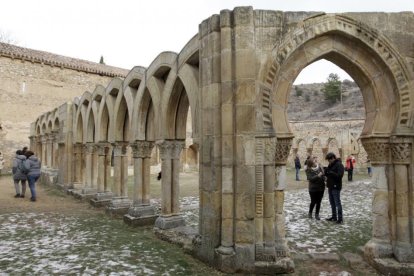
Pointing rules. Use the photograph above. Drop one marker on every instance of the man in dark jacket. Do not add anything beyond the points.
(334, 174)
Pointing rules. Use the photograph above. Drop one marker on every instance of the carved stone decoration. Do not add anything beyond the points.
(142, 149)
(269, 151)
(283, 146)
(378, 149)
(170, 149)
(401, 150)
(120, 149)
(102, 149)
(90, 148)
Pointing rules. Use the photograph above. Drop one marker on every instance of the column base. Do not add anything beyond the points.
(140, 215)
(280, 266)
(83, 194)
(101, 199)
(168, 222)
(226, 259)
(118, 206)
(375, 248)
(403, 252)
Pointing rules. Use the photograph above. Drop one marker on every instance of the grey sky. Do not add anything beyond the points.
(129, 33)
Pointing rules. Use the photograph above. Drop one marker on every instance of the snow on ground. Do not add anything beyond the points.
(50, 243)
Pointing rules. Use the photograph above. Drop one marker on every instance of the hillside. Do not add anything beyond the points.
(311, 105)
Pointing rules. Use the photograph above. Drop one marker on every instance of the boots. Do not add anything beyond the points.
(310, 215)
(317, 216)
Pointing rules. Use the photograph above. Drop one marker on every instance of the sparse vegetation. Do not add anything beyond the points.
(299, 91)
(307, 98)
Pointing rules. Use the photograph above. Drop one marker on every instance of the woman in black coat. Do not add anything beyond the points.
(314, 174)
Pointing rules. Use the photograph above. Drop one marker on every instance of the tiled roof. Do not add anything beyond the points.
(47, 58)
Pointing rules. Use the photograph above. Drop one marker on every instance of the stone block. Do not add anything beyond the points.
(227, 205)
(325, 257)
(226, 259)
(244, 231)
(245, 62)
(170, 222)
(246, 118)
(281, 266)
(118, 206)
(353, 260)
(245, 254)
(245, 206)
(139, 221)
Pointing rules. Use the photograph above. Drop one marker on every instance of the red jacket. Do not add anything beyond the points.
(350, 160)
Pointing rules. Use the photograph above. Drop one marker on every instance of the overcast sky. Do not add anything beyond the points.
(129, 33)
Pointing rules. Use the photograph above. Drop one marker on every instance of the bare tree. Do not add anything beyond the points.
(6, 37)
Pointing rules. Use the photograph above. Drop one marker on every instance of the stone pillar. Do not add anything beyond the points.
(283, 146)
(43, 140)
(104, 195)
(33, 144)
(380, 245)
(77, 166)
(141, 213)
(95, 157)
(170, 189)
(401, 152)
(120, 204)
(49, 151)
(39, 148)
(89, 151)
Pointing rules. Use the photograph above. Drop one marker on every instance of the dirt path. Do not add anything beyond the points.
(49, 199)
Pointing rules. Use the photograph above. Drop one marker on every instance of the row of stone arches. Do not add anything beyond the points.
(235, 76)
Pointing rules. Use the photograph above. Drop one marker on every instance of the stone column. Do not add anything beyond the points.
(77, 166)
(120, 203)
(89, 150)
(49, 145)
(43, 140)
(33, 144)
(104, 195)
(401, 151)
(141, 213)
(39, 148)
(379, 246)
(283, 146)
(170, 188)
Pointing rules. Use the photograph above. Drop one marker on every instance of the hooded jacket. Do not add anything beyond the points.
(33, 164)
(334, 174)
(316, 183)
(17, 173)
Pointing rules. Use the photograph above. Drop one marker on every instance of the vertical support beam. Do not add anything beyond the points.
(120, 149)
(170, 155)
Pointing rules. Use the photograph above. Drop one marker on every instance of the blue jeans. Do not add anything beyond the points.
(32, 181)
(297, 173)
(335, 201)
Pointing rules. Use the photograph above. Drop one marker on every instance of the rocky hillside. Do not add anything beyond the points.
(309, 103)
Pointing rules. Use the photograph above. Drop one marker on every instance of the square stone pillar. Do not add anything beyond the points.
(141, 212)
(170, 187)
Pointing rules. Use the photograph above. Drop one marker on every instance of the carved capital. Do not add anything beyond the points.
(142, 149)
(170, 149)
(283, 146)
(401, 150)
(378, 149)
(120, 149)
(89, 148)
(102, 149)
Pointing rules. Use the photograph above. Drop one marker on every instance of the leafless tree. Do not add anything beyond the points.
(7, 37)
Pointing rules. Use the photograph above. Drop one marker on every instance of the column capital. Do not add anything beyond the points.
(265, 150)
(90, 148)
(102, 148)
(120, 148)
(142, 149)
(170, 149)
(401, 149)
(282, 151)
(378, 149)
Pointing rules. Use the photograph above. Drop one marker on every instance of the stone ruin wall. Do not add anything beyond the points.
(338, 136)
(29, 89)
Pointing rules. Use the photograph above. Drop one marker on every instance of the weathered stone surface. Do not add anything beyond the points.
(322, 257)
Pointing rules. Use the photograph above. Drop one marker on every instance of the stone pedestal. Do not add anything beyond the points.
(226, 259)
(168, 222)
(101, 199)
(141, 215)
(118, 206)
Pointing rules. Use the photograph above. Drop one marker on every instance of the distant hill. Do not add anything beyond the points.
(309, 103)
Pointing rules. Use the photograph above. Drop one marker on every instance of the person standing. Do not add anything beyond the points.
(350, 165)
(32, 165)
(369, 167)
(18, 174)
(334, 173)
(298, 166)
(315, 176)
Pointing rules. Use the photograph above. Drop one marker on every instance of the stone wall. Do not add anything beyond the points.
(28, 90)
(319, 137)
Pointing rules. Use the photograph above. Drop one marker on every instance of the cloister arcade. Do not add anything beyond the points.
(235, 77)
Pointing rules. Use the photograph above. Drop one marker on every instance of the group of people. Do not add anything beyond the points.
(26, 167)
(317, 176)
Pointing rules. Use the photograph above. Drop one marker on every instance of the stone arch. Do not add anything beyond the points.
(366, 55)
(80, 123)
(133, 80)
(111, 93)
(332, 145)
(122, 115)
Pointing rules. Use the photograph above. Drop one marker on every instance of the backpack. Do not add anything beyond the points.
(23, 168)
